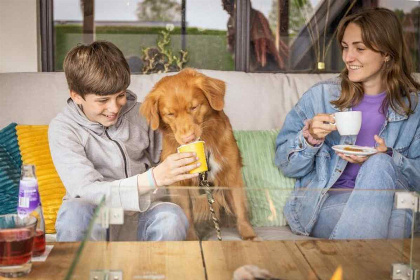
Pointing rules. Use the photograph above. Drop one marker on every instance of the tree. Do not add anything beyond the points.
(299, 12)
(159, 10)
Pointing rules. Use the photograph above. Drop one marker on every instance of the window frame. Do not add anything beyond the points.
(242, 35)
(46, 10)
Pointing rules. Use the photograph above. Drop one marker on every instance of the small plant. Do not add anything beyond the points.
(160, 59)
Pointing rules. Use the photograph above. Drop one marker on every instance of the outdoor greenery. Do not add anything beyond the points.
(161, 59)
(206, 48)
(159, 10)
(299, 12)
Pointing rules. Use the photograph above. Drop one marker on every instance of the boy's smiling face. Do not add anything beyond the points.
(103, 109)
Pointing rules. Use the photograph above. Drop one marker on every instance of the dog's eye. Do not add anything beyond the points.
(193, 108)
(170, 114)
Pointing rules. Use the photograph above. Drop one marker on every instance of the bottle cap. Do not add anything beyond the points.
(27, 171)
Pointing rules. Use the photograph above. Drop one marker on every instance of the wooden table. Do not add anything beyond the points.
(137, 260)
(214, 260)
(306, 259)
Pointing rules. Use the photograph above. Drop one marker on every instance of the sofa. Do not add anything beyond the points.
(256, 103)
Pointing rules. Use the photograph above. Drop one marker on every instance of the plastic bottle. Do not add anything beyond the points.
(30, 204)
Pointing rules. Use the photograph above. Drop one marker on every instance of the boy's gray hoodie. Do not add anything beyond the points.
(93, 160)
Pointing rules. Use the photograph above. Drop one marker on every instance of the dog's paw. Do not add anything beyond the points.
(256, 239)
(246, 231)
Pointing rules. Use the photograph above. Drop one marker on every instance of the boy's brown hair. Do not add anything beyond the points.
(98, 68)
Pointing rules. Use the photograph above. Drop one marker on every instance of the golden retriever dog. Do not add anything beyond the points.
(189, 106)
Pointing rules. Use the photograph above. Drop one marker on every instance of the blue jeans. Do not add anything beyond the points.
(163, 222)
(367, 212)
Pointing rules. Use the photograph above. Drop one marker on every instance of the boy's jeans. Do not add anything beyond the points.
(367, 211)
(164, 222)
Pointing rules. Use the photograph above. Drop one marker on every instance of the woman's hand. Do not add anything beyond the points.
(175, 168)
(353, 158)
(381, 148)
(321, 125)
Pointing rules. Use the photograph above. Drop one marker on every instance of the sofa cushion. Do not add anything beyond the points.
(267, 188)
(10, 163)
(9, 183)
(8, 139)
(33, 143)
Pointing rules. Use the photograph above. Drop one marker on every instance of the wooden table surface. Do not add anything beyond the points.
(137, 260)
(305, 259)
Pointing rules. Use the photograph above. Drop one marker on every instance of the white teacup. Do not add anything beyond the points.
(348, 123)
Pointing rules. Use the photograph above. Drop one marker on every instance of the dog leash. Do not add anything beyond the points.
(205, 184)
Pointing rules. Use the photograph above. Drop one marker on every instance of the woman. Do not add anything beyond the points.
(377, 81)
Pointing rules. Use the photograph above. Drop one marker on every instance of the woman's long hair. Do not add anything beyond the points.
(381, 32)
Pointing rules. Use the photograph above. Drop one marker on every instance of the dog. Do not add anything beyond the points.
(189, 106)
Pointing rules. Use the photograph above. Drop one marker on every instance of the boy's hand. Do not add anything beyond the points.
(175, 168)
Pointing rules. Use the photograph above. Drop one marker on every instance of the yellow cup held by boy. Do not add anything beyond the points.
(198, 148)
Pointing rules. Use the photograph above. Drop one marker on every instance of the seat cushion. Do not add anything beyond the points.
(34, 148)
(266, 186)
(10, 163)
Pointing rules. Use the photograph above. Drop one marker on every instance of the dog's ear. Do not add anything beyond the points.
(150, 110)
(214, 90)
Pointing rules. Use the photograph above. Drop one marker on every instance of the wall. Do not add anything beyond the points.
(19, 36)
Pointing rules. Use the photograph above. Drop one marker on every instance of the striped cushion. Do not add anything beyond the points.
(34, 148)
(9, 182)
(10, 163)
(267, 188)
(8, 140)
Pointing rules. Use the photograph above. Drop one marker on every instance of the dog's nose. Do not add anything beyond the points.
(189, 138)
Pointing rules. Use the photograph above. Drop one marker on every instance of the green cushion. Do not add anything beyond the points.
(10, 163)
(267, 188)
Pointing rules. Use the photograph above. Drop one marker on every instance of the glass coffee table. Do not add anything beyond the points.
(110, 251)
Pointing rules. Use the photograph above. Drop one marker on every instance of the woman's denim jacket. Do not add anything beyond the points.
(318, 168)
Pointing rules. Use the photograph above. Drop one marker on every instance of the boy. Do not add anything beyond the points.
(100, 146)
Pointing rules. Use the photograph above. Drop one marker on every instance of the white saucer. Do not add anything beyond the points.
(365, 151)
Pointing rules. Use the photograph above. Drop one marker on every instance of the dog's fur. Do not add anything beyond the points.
(188, 106)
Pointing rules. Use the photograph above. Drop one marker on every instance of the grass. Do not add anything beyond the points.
(206, 49)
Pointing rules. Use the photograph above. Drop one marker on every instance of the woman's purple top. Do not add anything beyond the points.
(372, 121)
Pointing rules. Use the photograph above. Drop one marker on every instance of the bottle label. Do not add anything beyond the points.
(28, 197)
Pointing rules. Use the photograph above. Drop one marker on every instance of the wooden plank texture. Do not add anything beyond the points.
(360, 259)
(144, 260)
(281, 258)
(56, 265)
(308, 260)
(137, 260)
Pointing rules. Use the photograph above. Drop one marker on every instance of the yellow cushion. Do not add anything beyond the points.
(34, 149)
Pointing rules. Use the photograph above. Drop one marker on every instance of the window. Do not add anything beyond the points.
(304, 31)
(193, 31)
(272, 35)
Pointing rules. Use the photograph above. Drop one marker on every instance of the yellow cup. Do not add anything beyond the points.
(198, 148)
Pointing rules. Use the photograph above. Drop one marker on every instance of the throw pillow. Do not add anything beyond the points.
(34, 148)
(10, 163)
(8, 139)
(266, 186)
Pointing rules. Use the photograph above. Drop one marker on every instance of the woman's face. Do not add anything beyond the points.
(363, 64)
